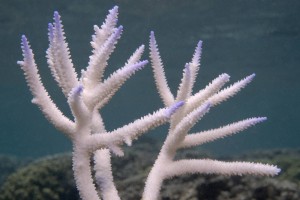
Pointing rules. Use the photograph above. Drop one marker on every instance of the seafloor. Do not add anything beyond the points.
(50, 178)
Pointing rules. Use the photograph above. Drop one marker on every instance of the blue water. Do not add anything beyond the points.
(239, 38)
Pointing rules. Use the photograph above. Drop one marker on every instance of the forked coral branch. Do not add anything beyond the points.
(194, 108)
(87, 94)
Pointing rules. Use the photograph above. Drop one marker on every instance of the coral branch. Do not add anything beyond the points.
(105, 90)
(40, 95)
(214, 134)
(201, 96)
(207, 166)
(195, 63)
(60, 57)
(98, 61)
(181, 123)
(230, 91)
(131, 131)
(103, 175)
(185, 87)
(159, 74)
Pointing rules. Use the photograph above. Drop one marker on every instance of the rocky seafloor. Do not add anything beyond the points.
(51, 178)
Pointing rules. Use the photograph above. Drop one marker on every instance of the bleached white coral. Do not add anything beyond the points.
(194, 108)
(87, 94)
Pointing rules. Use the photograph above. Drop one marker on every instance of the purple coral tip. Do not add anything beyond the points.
(115, 7)
(144, 62)
(139, 65)
(51, 30)
(252, 76)
(152, 37)
(120, 28)
(200, 43)
(277, 171)
(172, 109)
(261, 119)
(78, 90)
(203, 108)
(50, 26)
(207, 106)
(24, 39)
(56, 17)
(25, 45)
(187, 69)
(249, 78)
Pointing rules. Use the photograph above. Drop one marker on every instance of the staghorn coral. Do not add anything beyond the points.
(91, 92)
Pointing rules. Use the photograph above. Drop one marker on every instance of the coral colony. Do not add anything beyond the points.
(91, 92)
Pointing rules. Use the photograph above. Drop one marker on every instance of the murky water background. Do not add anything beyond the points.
(239, 37)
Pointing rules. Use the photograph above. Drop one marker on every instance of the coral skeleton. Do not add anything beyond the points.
(89, 93)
